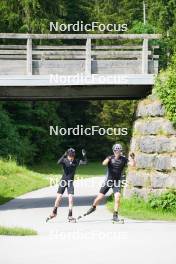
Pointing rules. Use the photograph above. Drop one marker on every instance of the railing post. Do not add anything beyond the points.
(145, 56)
(29, 56)
(88, 57)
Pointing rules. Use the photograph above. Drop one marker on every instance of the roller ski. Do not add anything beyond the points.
(53, 215)
(91, 210)
(116, 220)
(71, 219)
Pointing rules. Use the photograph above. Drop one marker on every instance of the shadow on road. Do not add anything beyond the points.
(27, 203)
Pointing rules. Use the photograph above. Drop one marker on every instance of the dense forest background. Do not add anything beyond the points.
(24, 126)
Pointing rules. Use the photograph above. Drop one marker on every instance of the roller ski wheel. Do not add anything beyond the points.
(79, 217)
(72, 220)
(118, 221)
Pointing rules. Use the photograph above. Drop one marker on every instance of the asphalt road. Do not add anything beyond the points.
(93, 239)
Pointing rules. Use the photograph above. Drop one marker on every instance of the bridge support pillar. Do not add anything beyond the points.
(154, 144)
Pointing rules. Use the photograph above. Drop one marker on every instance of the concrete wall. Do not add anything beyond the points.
(154, 143)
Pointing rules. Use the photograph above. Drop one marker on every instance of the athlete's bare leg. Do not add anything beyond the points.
(56, 205)
(98, 199)
(70, 205)
(116, 201)
(70, 201)
(58, 200)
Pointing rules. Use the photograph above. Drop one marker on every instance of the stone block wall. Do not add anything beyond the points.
(154, 144)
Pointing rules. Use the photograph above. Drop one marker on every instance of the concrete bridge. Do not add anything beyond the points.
(77, 66)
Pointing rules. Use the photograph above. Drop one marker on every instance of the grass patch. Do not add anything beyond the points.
(84, 171)
(16, 231)
(16, 180)
(90, 170)
(137, 208)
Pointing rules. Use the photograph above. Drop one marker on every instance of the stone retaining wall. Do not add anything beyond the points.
(154, 144)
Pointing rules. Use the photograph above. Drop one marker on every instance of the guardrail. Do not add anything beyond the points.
(89, 58)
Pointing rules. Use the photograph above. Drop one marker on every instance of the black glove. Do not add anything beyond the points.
(132, 155)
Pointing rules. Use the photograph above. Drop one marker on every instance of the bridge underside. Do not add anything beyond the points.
(75, 88)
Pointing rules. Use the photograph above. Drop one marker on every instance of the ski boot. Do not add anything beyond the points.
(54, 214)
(91, 210)
(116, 220)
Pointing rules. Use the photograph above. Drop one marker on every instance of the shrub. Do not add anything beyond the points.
(166, 201)
(165, 88)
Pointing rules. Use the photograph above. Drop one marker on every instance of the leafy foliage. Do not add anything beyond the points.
(154, 208)
(166, 201)
(24, 126)
(165, 87)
